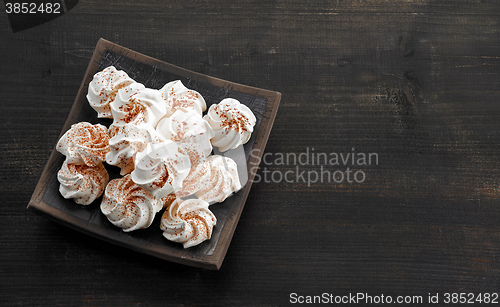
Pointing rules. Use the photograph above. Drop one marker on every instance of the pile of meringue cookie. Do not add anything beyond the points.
(162, 143)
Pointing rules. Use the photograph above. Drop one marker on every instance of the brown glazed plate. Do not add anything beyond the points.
(153, 73)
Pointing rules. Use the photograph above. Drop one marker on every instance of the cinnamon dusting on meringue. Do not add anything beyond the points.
(81, 182)
(103, 89)
(85, 143)
(232, 123)
(188, 222)
(128, 206)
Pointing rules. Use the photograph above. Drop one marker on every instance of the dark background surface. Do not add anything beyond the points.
(417, 82)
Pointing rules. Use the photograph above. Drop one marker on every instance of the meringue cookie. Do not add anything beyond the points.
(213, 180)
(85, 143)
(232, 123)
(161, 168)
(177, 96)
(167, 200)
(128, 206)
(104, 87)
(126, 141)
(81, 182)
(189, 222)
(190, 131)
(138, 104)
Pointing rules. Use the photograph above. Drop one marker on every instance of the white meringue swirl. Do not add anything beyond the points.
(81, 182)
(189, 222)
(85, 143)
(161, 168)
(126, 141)
(138, 104)
(190, 131)
(104, 87)
(128, 206)
(232, 123)
(177, 96)
(213, 180)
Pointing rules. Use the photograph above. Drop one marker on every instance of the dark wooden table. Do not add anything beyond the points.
(414, 83)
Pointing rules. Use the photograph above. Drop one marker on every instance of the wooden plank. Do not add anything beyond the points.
(414, 81)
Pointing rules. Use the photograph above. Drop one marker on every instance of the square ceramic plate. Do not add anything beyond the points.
(153, 73)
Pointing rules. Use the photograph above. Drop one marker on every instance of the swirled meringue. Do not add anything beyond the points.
(213, 180)
(104, 87)
(189, 222)
(127, 205)
(177, 96)
(138, 104)
(126, 141)
(85, 143)
(81, 182)
(190, 131)
(167, 200)
(232, 122)
(161, 168)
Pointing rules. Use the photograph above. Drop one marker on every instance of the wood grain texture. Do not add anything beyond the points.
(415, 81)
